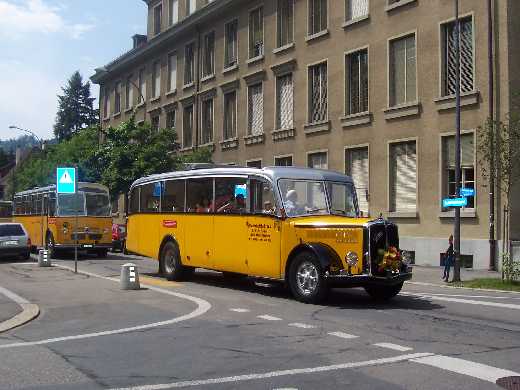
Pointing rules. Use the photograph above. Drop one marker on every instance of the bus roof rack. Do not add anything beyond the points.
(194, 166)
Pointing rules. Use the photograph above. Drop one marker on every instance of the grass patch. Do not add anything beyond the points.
(491, 283)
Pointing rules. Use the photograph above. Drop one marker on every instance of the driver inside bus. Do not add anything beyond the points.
(291, 199)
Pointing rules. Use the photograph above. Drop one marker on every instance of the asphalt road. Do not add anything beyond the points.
(209, 333)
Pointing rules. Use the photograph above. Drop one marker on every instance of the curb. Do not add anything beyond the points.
(29, 311)
(461, 288)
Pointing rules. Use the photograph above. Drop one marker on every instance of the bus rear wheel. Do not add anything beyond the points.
(306, 279)
(170, 264)
(383, 293)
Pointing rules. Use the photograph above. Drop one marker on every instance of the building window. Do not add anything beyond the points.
(356, 9)
(467, 161)
(255, 103)
(254, 163)
(172, 72)
(317, 160)
(403, 176)
(142, 86)
(449, 57)
(230, 115)
(156, 75)
(173, 12)
(230, 49)
(156, 120)
(317, 16)
(284, 22)
(157, 19)
(191, 6)
(256, 33)
(208, 50)
(207, 121)
(189, 64)
(283, 161)
(187, 127)
(284, 102)
(318, 93)
(357, 167)
(106, 102)
(357, 82)
(117, 98)
(170, 119)
(129, 93)
(403, 81)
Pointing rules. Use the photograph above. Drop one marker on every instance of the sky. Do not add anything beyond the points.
(42, 42)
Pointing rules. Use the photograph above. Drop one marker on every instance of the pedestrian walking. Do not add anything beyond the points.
(448, 259)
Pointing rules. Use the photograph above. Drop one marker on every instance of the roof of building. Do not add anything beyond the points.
(272, 173)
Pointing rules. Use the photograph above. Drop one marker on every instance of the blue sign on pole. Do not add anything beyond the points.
(467, 192)
(454, 202)
(66, 180)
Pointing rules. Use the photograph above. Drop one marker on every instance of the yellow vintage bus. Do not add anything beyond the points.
(296, 225)
(6, 211)
(50, 218)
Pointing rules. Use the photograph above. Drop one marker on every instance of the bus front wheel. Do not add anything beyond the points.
(170, 262)
(383, 293)
(306, 279)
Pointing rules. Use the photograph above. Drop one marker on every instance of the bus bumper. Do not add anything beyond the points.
(86, 247)
(367, 280)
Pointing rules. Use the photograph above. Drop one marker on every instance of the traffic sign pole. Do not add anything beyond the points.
(76, 220)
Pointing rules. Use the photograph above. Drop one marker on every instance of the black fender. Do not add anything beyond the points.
(325, 254)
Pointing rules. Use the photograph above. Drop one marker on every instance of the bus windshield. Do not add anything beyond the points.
(71, 204)
(95, 204)
(304, 197)
(98, 205)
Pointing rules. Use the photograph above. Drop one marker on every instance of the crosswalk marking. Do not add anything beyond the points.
(269, 318)
(343, 335)
(303, 326)
(394, 347)
(240, 310)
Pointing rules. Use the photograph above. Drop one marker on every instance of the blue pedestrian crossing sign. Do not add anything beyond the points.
(454, 202)
(66, 180)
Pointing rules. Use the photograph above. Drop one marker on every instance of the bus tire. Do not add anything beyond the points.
(102, 253)
(383, 293)
(306, 279)
(170, 264)
(50, 245)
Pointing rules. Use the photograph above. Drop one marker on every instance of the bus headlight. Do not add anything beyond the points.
(65, 230)
(352, 258)
(406, 257)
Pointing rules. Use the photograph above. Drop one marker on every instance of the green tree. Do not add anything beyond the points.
(75, 108)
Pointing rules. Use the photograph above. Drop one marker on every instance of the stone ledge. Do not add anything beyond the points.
(318, 35)
(363, 118)
(352, 22)
(402, 111)
(397, 4)
(282, 134)
(283, 48)
(254, 139)
(450, 102)
(319, 127)
(403, 214)
(231, 143)
(254, 60)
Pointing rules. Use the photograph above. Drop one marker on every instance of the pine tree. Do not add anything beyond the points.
(75, 108)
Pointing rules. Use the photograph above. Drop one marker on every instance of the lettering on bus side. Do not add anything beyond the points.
(168, 223)
(259, 232)
(341, 236)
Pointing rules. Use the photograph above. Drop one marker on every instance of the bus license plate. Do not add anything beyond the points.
(6, 243)
(87, 246)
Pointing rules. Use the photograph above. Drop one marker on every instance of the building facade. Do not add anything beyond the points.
(365, 87)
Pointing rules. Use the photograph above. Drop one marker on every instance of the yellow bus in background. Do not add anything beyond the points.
(296, 225)
(6, 211)
(50, 218)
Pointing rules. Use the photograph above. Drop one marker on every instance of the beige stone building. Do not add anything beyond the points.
(365, 87)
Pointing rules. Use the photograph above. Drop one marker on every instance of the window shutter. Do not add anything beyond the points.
(404, 177)
(256, 110)
(318, 93)
(285, 102)
(359, 171)
(466, 57)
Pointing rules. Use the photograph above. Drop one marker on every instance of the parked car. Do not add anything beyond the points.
(14, 241)
(118, 237)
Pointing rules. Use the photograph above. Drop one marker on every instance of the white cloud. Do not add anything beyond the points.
(35, 16)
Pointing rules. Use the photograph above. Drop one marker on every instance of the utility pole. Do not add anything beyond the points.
(456, 228)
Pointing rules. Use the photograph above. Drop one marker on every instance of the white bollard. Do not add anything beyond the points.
(44, 259)
(129, 277)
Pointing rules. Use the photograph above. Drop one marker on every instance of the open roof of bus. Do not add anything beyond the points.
(273, 173)
(81, 184)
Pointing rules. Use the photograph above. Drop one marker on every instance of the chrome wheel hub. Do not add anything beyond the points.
(169, 261)
(307, 277)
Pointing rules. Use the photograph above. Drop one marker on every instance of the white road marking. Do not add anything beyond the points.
(202, 307)
(343, 335)
(466, 301)
(471, 296)
(303, 326)
(461, 288)
(465, 367)
(13, 297)
(394, 347)
(239, 310)
(269, 318)
(275, 374)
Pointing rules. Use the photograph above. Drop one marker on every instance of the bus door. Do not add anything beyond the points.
(148, 236)
(263, 231)
(230, 224)
(198, 224)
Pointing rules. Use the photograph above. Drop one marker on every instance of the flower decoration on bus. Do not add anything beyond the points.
(390, 260)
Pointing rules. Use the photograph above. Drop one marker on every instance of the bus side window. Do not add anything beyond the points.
(134, 201)
(150, 198)
(199, 195)
(230, 195)
(262, 198)
(52, 205)
(173, 196)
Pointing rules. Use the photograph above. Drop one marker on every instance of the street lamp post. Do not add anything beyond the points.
(40, 141)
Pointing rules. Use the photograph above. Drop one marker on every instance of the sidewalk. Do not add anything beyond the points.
(8, 308)
(425, 274)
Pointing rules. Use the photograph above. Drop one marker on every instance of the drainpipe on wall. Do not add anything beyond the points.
(197, 89)
(491, 86)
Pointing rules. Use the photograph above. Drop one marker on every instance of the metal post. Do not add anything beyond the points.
(456, 228)
(76, 221)
(492, 242)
